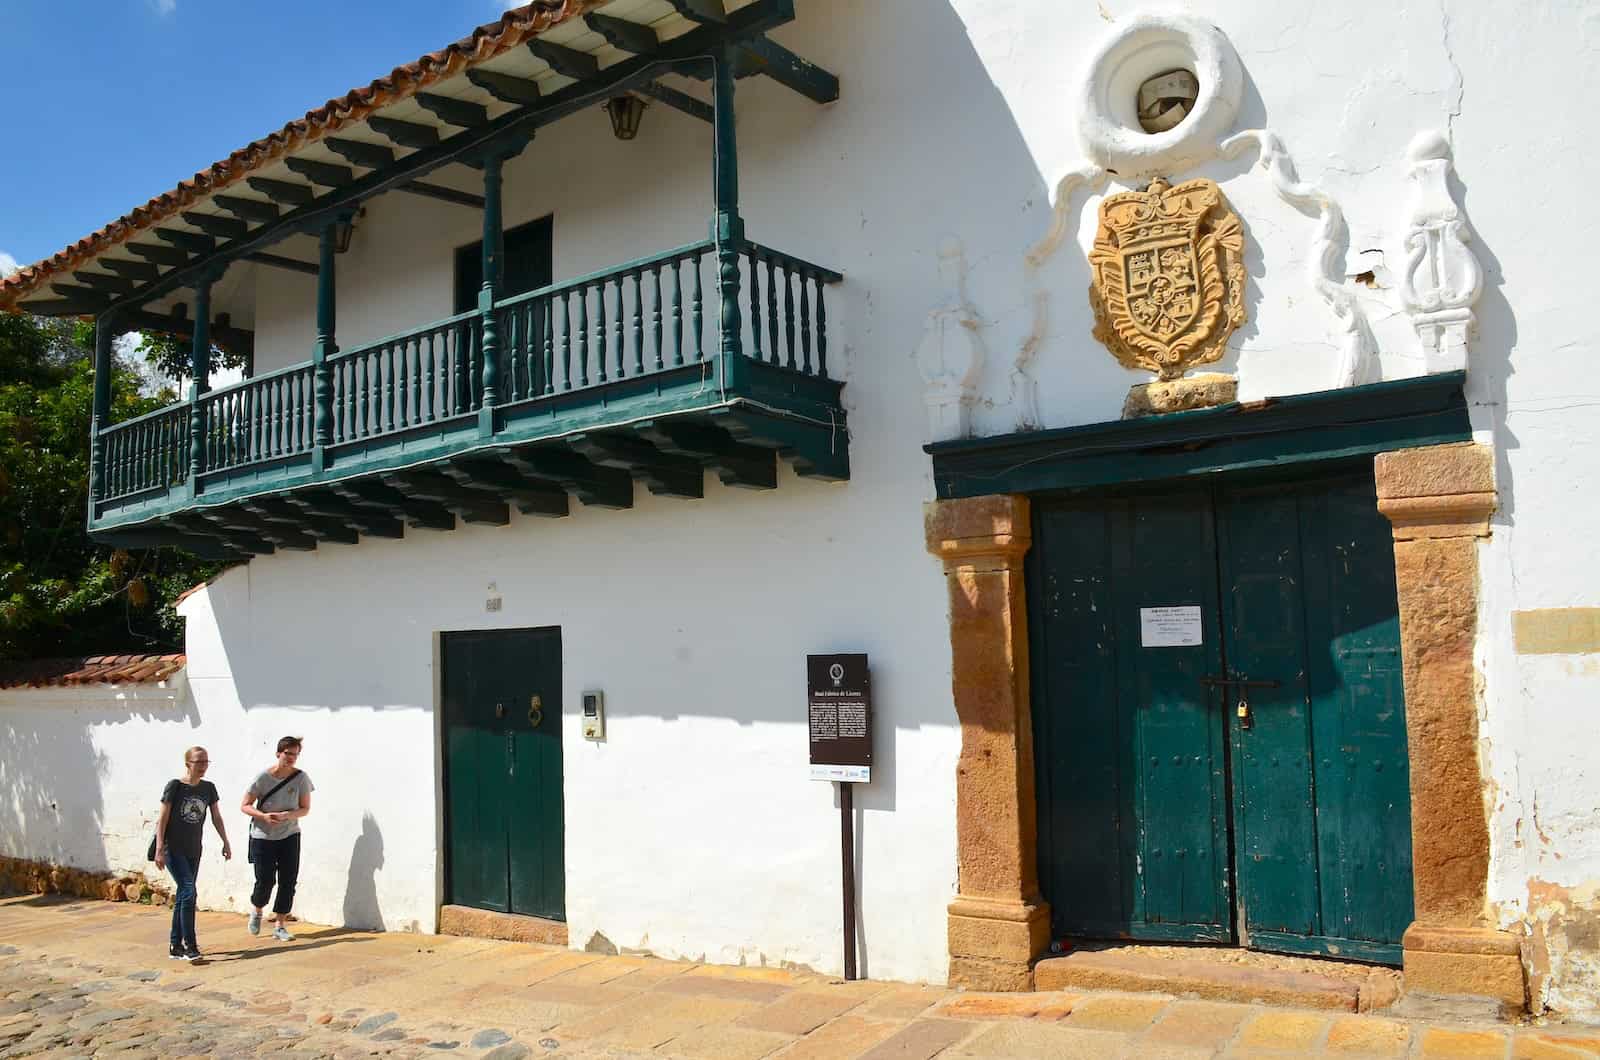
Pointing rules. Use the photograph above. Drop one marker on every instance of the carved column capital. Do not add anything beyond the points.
(1440, 491)
(991, 533)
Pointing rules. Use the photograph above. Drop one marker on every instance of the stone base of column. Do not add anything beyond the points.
(993, 943)
(1464, 962)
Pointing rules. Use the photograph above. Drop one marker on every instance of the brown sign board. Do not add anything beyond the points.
(839, 717)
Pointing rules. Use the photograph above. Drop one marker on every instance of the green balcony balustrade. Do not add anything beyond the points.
(622, 373)
(265, 418)
(149, 452)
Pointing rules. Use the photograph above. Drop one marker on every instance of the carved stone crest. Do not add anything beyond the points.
(1168, 279)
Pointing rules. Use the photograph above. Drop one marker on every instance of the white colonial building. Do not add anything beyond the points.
(1297, 651)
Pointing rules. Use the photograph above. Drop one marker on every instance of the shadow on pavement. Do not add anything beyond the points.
(311, 940)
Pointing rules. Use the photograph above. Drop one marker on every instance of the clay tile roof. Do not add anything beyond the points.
(487, 41)
(89, 670)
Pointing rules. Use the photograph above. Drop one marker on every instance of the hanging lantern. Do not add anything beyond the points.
(344, 229)
(625, 112)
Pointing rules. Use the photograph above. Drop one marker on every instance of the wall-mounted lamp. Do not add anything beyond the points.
(344, 229)
(625, 112)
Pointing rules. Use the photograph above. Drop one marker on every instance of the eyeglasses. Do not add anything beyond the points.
(199, 761)
(290, 754)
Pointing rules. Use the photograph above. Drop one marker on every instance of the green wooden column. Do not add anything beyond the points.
(200, 368)
(727, 229)
(326, 345)
(105, 334)
(493, 259)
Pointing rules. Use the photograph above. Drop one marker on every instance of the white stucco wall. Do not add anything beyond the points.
(692, 830)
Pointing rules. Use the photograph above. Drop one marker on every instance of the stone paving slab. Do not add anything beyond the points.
(93, 980)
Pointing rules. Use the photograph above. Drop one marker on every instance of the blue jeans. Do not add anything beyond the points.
(183, 872)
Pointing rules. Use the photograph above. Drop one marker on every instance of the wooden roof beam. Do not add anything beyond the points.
(162, 255)
(327, 174)
(282, 191)
(85, 295)
(452, 111)
(705, 12)
(248, 209)
(405, 133)
(791, 71)
(361, 153)
(620, 33)
(212, 224)
(569, 62)
(276, 261)
(189, 241)
(443, 194)
(100, 281)
(505, 88)
(678, 100)
(133, 270)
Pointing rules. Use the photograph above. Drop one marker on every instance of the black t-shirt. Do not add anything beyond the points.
(187, 822)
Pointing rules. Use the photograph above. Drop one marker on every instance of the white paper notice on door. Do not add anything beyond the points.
(1169, 627)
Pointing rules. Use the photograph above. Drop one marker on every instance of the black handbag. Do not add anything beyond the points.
(249, 842)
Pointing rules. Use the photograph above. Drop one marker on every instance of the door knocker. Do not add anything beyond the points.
(535, 711)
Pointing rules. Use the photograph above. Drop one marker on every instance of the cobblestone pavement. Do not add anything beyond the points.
(81, 979)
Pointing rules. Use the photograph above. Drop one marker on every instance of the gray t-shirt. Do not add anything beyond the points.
(286, 798)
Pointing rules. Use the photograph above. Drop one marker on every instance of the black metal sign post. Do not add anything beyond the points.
(839, 723)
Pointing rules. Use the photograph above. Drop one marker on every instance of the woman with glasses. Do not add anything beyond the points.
(184, 804)
(275, 803)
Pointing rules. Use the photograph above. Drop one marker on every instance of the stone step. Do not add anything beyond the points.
(1125, 969)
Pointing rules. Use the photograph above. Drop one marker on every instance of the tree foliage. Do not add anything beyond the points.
(60, 592)
(170, 355)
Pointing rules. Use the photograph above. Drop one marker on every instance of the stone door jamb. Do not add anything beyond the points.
(1438, 499)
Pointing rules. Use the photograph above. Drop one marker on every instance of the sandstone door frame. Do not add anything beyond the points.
(1438, 499)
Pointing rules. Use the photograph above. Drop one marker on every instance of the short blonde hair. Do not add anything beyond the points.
(188, 756)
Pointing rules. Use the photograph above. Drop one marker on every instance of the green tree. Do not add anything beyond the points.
(60, 592)
(170, 355)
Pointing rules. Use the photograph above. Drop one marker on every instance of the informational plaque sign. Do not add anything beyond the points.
(839, 717)
(1169, 627)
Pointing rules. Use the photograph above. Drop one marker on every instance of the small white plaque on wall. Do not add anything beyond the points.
(1169, 627)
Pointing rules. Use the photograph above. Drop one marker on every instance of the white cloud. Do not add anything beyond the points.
(164, 7)
(8, 264)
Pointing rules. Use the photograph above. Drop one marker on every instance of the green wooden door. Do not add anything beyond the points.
(1132, 801)
(503, 781)
(1162, 813)
(1322, 798)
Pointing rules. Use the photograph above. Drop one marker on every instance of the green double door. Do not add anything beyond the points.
(502, 771)
(1219, 717)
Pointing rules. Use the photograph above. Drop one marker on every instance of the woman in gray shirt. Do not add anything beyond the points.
(275, 802)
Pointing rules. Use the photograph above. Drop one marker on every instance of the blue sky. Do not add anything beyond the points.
(111, 102)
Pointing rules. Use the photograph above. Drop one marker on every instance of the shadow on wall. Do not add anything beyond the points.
(361, 887)
(52, 779)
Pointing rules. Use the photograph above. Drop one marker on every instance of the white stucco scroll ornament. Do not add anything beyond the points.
(1117, 145)
(1442, 278)
(950, 355)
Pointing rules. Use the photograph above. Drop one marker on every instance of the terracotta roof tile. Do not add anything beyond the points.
(484, 43)
(89, 670)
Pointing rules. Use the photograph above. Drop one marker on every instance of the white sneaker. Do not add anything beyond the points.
(255, 924)
(281, 933)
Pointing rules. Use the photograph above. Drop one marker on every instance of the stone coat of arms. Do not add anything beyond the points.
(1167, 276)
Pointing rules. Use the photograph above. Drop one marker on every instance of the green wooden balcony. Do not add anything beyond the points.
(641, 372)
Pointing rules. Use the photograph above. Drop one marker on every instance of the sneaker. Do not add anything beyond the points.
(281, 933)
(174, 951)
(192, 955)
(255, 923)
